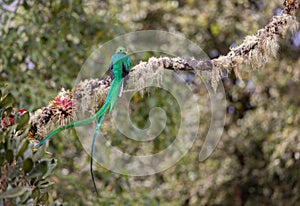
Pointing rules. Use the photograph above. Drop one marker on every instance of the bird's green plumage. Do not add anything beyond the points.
(119, 66)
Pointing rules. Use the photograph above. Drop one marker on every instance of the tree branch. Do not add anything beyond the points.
(256, 50)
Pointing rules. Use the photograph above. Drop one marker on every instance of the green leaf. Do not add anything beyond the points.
(2, 157)
(9, 155)
(16, 192)
(44, 184)
(39, 170)
(44, 198)
(22, 147)
(8, 110)
(26, 196)
(23, 120)
(51, 165)
(27, 165)
(1, 111)
(2, 137)
(8, 100)
(36, 193)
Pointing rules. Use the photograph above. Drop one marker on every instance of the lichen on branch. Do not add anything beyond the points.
(256, 50)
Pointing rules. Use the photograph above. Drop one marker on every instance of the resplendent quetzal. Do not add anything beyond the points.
(119, 66)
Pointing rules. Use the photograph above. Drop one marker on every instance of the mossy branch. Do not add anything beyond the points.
(256, 50)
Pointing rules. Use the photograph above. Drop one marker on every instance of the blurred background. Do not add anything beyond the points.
(43, 45)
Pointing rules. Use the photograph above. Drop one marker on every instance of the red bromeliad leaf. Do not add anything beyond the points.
(10, 119)
(63, 107)
(22, 111)
(64, 103)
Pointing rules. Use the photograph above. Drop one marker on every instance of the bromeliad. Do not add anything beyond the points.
(119, 66)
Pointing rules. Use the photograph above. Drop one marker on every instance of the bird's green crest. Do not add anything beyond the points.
(121, 49)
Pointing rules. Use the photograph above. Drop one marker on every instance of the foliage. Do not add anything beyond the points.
(24, 173)
(47, 41)
(44, 44)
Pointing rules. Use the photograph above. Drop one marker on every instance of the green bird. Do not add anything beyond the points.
(119, 66)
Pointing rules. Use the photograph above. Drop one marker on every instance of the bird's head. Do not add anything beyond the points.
(122, 50)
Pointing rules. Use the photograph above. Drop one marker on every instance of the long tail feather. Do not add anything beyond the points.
(110, 101)
(92, 151)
